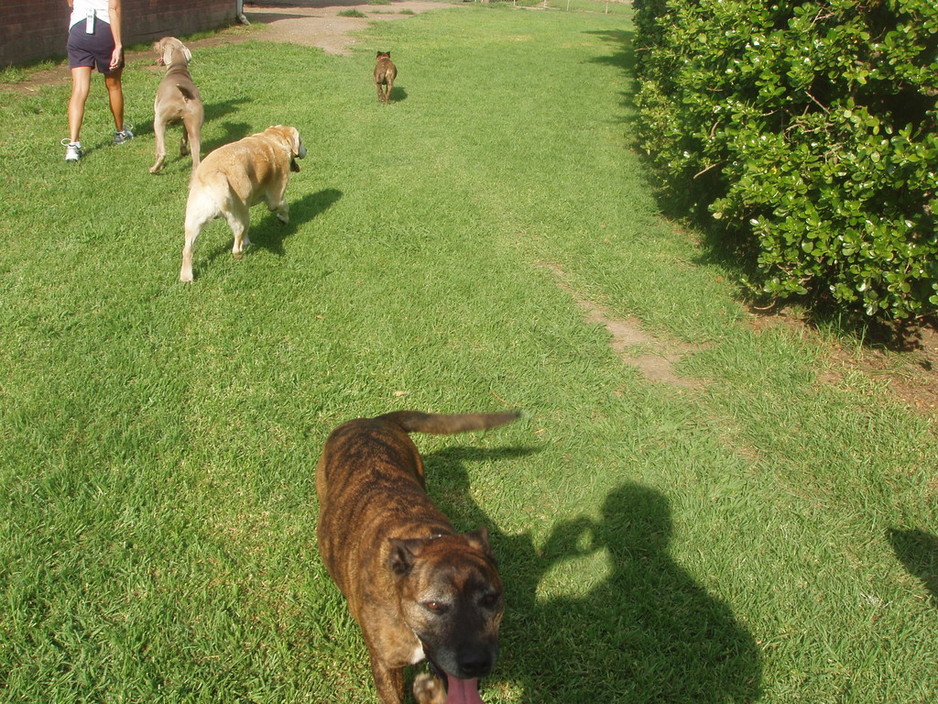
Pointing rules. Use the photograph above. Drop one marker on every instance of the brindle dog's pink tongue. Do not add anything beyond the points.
(462, 691)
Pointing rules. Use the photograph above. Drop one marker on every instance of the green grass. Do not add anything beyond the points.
(18, 74)
(767, 537)
(613, 7)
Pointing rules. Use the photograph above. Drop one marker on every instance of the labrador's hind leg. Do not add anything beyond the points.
(239, 218)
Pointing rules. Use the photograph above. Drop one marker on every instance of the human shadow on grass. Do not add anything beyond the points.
(267, 232)
(647, 632)
(918, 551)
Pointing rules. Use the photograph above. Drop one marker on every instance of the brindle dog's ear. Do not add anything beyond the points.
(479, 538)
(403, 552)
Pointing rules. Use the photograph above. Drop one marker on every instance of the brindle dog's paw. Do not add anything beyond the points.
(428, 689)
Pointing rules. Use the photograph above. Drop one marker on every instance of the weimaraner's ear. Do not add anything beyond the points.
(187, 52)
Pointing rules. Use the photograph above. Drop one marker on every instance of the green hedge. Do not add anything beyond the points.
(810, 128)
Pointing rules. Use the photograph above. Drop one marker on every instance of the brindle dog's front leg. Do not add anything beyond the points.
(388, 681)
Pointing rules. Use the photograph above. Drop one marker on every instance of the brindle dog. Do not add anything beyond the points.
(385, 73)
(416, 587)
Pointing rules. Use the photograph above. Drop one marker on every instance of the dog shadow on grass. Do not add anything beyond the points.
(267, 232)
(271, 233)
(213, 113)
(232, 132)
(645, 633)
(918, 551)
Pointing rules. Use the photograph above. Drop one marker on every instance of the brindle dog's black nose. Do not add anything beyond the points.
(475, 664)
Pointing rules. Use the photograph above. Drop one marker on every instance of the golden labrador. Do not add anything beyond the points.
(237, 176)
(177, 100)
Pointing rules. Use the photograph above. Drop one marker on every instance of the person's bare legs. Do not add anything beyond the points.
(81, 84)
(115, 96)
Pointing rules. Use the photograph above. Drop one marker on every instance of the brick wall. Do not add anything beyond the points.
(37, 29)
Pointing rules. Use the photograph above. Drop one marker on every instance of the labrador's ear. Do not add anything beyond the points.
(297, 146)
(297, 142)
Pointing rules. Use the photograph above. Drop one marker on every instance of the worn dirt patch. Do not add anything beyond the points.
(909, 373)
(653, 356)
(319, 22)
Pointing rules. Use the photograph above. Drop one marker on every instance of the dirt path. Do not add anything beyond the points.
(318, 22)
(307, 22)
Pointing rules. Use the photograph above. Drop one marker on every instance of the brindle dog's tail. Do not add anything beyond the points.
(437, 424)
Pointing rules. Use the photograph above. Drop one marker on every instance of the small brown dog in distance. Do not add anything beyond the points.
(385, 73)
(177, 100)
(416, 587)
(237, 176)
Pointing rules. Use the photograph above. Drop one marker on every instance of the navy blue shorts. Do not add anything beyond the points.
(92, 50)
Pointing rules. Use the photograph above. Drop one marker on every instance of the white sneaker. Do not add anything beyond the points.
(72, 150)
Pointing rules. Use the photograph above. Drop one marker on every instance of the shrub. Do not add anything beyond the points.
(809, 128)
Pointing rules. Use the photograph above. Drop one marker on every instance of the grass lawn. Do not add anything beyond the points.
(747, 531)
